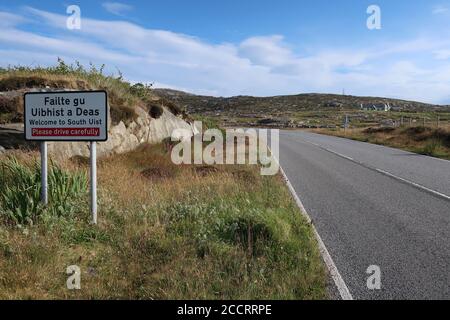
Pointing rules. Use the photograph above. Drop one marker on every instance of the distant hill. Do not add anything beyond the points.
(306, 110)
(249, 105)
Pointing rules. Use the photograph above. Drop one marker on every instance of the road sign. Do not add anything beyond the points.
(66, 116)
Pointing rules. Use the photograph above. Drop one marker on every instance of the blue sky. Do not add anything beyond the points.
(254, 47)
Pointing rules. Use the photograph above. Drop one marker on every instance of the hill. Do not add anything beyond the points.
(301, 110)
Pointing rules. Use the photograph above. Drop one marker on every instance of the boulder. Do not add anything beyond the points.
(123, 138)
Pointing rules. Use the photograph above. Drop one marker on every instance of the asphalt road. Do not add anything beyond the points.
(374, 205)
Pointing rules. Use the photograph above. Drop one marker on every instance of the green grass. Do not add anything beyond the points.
(21, 188)
(221, 232)
(207, 122)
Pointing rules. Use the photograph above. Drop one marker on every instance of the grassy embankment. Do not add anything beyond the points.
(122, 96)
(423, 140)
(164, 231)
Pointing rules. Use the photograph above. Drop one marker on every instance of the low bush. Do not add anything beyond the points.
(431, 147)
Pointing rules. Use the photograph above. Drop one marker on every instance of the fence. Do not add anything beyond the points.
(437, 122)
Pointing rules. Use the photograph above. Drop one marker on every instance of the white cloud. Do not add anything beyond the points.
(266, 51)
(9, 19)
(117, 8)
(442, 54)
(263, 65)
(440, 9)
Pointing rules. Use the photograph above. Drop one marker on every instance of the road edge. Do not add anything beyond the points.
(332, 269)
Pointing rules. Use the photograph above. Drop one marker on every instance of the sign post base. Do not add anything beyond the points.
(94, 181)
(44, 173)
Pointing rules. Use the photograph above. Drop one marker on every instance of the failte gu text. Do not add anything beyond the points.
(61, 101)
(47, 111)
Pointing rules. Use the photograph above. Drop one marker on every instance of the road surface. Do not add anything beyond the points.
(375, 205)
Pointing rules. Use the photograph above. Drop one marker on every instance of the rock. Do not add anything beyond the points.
(122, 138)
(164, 127)
(2, 150)
(11, 137)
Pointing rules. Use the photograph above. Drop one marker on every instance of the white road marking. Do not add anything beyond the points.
(340, 154)
(331, 266)
(414, 184)
(444, 160)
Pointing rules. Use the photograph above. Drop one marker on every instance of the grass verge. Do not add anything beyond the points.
(167, 232)
(423, 140)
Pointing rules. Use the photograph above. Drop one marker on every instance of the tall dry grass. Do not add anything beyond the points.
(170, 232)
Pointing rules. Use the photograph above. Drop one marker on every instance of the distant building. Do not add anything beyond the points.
(376, 107)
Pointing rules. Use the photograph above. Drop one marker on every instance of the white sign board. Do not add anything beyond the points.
(66, 116)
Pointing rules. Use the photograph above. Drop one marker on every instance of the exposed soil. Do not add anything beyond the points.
(158, 173)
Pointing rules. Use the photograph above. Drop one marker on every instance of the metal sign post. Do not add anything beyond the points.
(44, 173)
(94, 181)
(67, 116)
